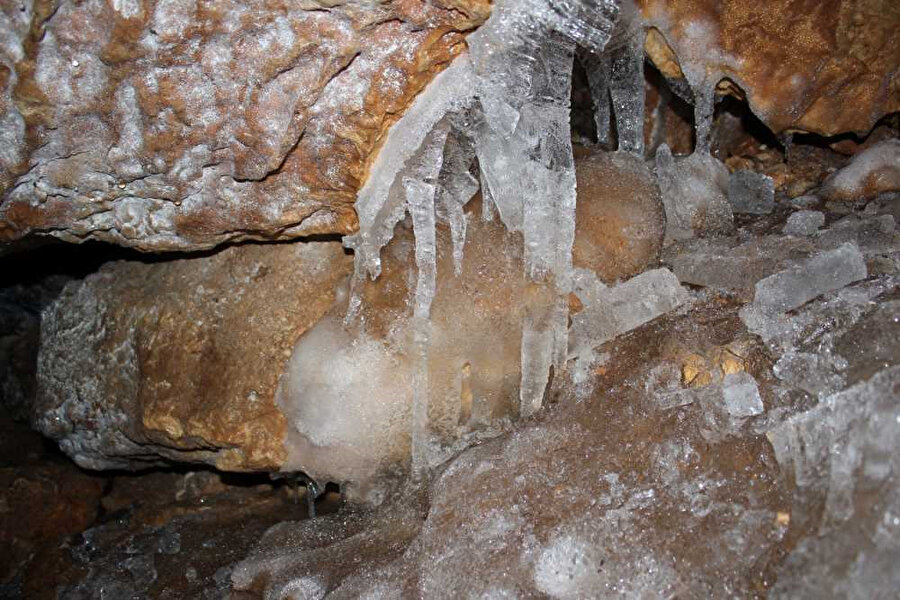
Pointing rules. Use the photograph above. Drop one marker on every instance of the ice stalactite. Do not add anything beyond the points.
(410, 148)
(704, 107)
(617, 75)
(596, 67)
(508, 104)
(627, 91)
(522, 59)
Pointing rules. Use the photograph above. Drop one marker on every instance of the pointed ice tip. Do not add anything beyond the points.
(664, 158)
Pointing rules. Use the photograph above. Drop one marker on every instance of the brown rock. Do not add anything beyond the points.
(180, 360)
(620, 221)
(42, 498)
(177, 125)
(826, 67)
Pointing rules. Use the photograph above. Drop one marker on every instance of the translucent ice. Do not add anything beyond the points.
(596, 66)
(741, 395)
(842, 457)
(693, 192)
(507, 103)
(627, 80)
(612, 311)
(618, 75)
(798, 285)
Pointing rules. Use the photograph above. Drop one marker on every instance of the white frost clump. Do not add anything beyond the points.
(348, 415)
(568, 568)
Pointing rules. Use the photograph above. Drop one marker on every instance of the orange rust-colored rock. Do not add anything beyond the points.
(620, 222)
(827, 66)
(180, 360)
(178, 124)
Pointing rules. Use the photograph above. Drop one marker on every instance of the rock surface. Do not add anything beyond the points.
(828, 67)
(177, 124)
(619, 218)
(42, 498)
(180, 360)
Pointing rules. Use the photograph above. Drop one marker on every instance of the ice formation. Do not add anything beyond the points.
(795, 286)
(804, 222)
(693, 191)
(612, 311)
(497, 119)
(506, 104)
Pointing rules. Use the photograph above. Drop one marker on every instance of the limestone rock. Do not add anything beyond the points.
(180, 360)
(177, 125)
(827, 67)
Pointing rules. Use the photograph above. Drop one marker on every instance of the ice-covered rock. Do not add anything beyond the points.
(873, 171)
(750, 192)
(694, 194)
(804, 222)
(593, 498)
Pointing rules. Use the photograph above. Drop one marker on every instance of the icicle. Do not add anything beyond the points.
(627, 90)
(597, 69)
(456, 186)
(525, 153)
(409, 148)
(519, 75)
(704, 106)
(420, 199)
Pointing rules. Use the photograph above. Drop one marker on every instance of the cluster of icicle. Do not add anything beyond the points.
(497, 120)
